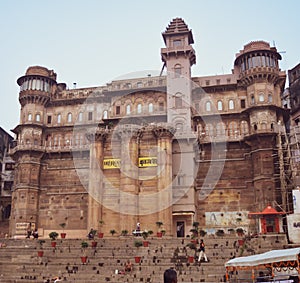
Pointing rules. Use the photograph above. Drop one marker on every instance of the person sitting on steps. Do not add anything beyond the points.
(128, 266)
(91, 234)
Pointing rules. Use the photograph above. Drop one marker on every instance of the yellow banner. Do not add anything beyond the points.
(111, 163)
(147, 162)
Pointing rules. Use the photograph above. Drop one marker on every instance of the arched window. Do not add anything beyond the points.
(38, 117)
(252, 99)
(177, 42)
(220, 129)
(179, 127)
(139, 108)
(59, 140)
(178, 101)
(263, 125)
(105, 114)
(208, 106)
(81, 141)
(244, 127)
(58, 118)
(261, 97)
(80, 116)
(150, 107)
(161, 106)
(209, 130)
(38, 84)
(220, 105)
(55, 141)
(69, 117)
(233, 129)
(33, 84)
(128, 109)
(270, 98)
(77, 139)
(231, 104)
(177, 70)
(68, 140)
(47, 86)
(29, 117)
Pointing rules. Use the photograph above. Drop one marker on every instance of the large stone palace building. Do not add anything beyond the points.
(171, 148)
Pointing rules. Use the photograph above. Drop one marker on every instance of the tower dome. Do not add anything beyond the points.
(256, 62)
(36, 85)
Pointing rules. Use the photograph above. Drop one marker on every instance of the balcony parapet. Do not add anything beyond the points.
(48, 149)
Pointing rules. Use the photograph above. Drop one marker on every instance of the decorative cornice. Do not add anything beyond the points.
(98, 136)
(164, 130)
(126, 131)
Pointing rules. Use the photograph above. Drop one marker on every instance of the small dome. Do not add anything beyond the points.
(41, 71)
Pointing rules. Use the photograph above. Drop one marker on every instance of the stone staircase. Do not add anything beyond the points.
(19, 261)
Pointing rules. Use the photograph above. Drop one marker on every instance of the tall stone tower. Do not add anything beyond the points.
(263, 82)
(179, 56)
(35, 91)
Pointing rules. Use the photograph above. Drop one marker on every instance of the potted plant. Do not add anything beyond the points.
(137, 244)
(193, 248)
(112, 232)
(145, 235)
(195, 232)
(63, 234)
(53, 236)
(100, 233)
(91, 236)
(41, 252)
(84, 246)
(159, 224)
(202, 233)
(124, 232)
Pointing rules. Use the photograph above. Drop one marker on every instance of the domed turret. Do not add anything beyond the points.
(257, 61)
(36, 85)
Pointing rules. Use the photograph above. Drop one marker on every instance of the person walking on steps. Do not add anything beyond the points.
(202, 251)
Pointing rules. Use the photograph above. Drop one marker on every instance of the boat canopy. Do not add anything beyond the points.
(270, 257)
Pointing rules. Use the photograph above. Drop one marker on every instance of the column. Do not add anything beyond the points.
(25, 197)
(164, 134)
(129, 183)
(95, 190)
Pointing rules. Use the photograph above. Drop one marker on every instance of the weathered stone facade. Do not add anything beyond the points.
(294, 94)
(171, 148)
(6, 180)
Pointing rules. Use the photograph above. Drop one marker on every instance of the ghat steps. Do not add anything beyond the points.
(19, 262)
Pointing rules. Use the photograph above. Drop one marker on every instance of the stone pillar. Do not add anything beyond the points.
(25, 197)
(129, 183)
(95, 190)
(164, 134)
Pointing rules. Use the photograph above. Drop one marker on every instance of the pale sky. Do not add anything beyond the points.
(93, 42)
